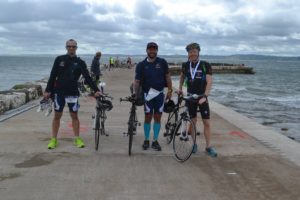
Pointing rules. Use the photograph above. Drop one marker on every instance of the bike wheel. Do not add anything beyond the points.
(183, 142)
(102, 128)
(170, 126)
(97, 132)
(130, 133)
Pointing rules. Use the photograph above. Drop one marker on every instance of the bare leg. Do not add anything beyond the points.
(207, 131)
(75, 123)
(157, 118)
(56, 123)
(148, 118)
(190, 131)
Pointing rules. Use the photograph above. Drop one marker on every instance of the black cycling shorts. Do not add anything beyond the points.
(61, 100)
(204, 109)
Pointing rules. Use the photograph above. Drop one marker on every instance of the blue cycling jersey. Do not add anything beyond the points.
(152, 74)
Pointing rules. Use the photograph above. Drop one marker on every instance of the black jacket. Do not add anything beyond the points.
(64, 76)
(95, 67)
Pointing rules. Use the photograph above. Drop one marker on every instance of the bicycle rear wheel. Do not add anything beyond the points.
(170, 126)
(184, 140)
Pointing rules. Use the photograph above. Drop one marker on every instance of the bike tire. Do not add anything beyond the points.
(170, 126)
(97, 132)
(130, 133)
(130, 143)
(183, 143)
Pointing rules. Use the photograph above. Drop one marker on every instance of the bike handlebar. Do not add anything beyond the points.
(104, 95)
(193, 97)
(129, 99)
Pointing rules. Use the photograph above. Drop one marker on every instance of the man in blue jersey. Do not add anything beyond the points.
(63, 89)
(153, 74)
(198, 77)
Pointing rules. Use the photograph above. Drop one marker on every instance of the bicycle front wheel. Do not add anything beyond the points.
(184, 139)
(130, 135)
(97, 132)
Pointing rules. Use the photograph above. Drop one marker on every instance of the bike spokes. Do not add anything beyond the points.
(184, 139)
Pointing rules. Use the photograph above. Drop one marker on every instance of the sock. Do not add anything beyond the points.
(156, 129)
(147, 127)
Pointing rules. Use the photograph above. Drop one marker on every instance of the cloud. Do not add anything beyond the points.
(115, 26)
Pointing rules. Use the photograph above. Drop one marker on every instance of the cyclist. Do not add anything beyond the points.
(198, 77)
(62, 87)
(111, 63)
(129, 62)
(153, 74)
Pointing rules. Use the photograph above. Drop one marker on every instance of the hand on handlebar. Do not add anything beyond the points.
(179, 92)
(98, 94)
(47, 95)
(133, 96)
(202, 100)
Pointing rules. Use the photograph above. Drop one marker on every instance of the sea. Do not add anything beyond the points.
(271, 96)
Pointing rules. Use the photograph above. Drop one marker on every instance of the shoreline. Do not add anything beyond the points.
(21, 94)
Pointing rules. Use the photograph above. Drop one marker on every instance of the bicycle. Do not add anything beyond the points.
(81, 86)
(132, 122)
(102, 106)
(172, 119)
(184, 135)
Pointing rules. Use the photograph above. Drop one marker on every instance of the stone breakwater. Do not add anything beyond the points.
(21, 94)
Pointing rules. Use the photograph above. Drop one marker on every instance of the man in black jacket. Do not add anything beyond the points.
(95, 67)
(62, 88)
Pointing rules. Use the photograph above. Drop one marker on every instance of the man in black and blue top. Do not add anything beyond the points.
(153, 74)
(198, 77)
(62, 87)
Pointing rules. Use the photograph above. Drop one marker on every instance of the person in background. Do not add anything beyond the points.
(129, 64)
(111, 63)
(95, 67)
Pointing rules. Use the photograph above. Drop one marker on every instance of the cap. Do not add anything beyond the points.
(152, 45)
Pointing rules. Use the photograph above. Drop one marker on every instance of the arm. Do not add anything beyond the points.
(136, 85)
(169, 83)
(168, 80)
(181, 81)
(87, 77)
(52, 78)
(138, 78)
(208, 84)
(182, 77)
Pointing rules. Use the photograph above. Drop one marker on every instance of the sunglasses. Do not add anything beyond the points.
(72, 47)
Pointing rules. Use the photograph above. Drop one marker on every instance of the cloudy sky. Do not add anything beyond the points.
(222, 27)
